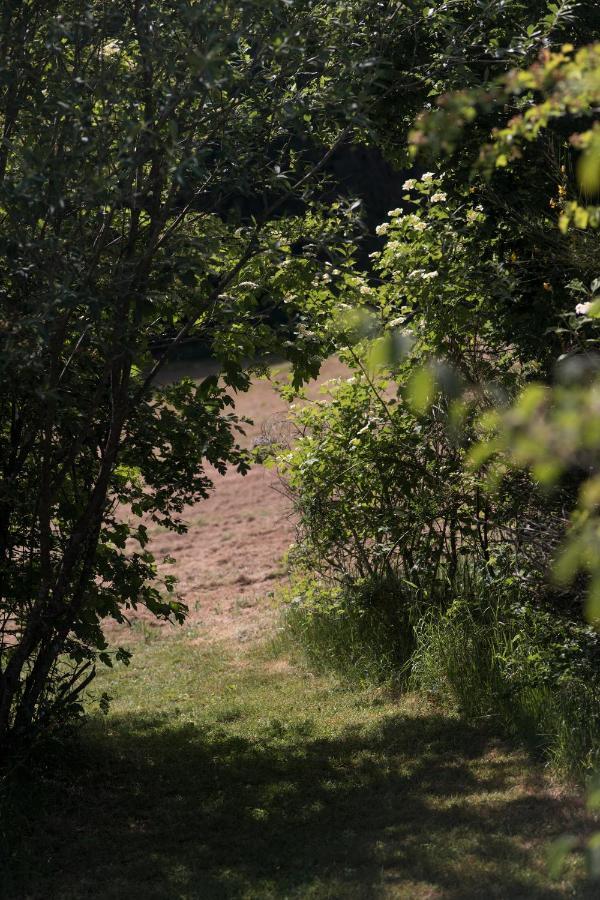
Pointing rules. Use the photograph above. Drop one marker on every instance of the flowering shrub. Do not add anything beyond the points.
(443, 275)
(566, 86)
(554, 430)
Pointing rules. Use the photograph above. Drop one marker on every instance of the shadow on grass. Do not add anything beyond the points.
(400, 809)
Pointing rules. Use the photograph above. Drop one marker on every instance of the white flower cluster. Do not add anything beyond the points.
(438, 197)
(303, 332)
(422, 274)
(111, 48)
(413, 220)
(473, 214)
(410, 183)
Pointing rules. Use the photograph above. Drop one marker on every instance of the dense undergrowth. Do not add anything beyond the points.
(534, 677)
(490, 655)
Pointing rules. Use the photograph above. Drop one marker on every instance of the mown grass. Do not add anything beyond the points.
(221, 773)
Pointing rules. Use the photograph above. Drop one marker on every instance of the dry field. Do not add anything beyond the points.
(231, 560)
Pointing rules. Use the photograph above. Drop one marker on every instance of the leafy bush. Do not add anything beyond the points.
(381, 492)
(133, 136)
(552, 429)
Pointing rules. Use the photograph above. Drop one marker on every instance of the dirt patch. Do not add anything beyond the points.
(231, 560)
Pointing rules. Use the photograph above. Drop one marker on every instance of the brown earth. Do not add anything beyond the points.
(231, 560)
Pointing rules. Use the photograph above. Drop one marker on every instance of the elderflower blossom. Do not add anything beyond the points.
(582, 309)
(427, 276)
(395, 212)
(110, 48)
(438, 197)
(419, 225)
(427, 176)
(471, 215)
(303, 332)
(409, 184)
(382, 229)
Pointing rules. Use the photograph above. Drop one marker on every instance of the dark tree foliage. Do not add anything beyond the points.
(125, 129)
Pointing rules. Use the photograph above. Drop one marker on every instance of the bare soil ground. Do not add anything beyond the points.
(231, 560)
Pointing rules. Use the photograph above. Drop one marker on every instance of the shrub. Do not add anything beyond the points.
(133, 136)
(379, 491)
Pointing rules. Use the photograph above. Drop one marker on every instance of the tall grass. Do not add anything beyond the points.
(532, 675)
(490, 653)
(364, 632)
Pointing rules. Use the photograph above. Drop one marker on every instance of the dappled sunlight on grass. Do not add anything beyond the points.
(216, 779)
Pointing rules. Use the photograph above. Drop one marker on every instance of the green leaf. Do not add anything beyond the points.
(557, 854)
(421, 390)
(592, 603)
(481, 453)
(593, 856)
(588, 169)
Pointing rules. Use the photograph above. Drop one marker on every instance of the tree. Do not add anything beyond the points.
(132, 134)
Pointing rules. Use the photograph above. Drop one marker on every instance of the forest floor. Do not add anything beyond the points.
(226, 768)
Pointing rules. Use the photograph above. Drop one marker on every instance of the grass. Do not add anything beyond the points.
(226, 773)
(494, 656)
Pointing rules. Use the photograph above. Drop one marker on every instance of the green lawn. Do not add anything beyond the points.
(223, 772)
